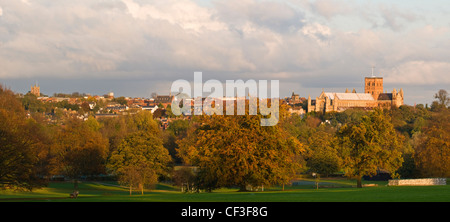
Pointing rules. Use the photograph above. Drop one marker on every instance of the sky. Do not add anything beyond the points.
(136, 47)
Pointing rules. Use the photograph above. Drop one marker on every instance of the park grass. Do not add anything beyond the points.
(330, 190)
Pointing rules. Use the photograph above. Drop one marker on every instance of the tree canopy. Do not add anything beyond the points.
(140, 158)
(237, 151)
(370, 145)
(18, 146)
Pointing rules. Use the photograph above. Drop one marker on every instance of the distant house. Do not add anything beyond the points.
(297, 110)
(91, 105)
(116, 107)
(164, 100)
(152, 108)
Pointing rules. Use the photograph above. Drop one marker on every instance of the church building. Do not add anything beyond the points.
(372, 97)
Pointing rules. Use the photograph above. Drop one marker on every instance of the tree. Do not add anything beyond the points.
(237, 151)
(177, 130)
(93, 124)
(85, 107)
(121, 100)
(32, 104)
(443, 98)
(369, 145)
(432, 154)
(79, 151)
(324, 158)
(114, 129)
(18, 152)
(140, 159)
(143, 121)
(185, 178)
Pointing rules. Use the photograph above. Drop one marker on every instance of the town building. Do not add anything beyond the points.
(164, 100)
(295, 99)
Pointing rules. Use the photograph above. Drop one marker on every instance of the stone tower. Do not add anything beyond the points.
(35, 90)
(374, 86)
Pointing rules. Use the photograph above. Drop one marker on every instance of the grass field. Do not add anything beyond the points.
(303, 191)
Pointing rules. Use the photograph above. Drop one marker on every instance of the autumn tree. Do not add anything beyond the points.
(237, 151)
(18, 149)
(369, 145)
(78, 151)
(432, 153)
(114, 130)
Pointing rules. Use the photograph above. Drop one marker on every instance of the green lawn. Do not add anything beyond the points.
(303, 191)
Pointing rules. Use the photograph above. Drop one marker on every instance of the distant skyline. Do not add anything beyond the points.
(136, 47)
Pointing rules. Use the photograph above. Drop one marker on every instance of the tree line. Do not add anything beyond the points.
(209, 152)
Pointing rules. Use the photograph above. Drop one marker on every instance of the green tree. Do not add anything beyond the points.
(32, 104)
(177, 130)
(324, 158)
(140, 159)
(93, 124)
(114, 129)
(443, 98)
(121, 100)
(370, 145)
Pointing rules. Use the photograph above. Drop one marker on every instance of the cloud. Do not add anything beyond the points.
(419, 73)
(395, 18)
(275, 16)
(317, 31)
(184, 13)
(303, 43)
(330, 9)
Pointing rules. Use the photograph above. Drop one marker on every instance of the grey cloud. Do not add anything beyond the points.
(395, 18)
(276, 16)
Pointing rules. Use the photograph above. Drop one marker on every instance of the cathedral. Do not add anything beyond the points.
(372, 97)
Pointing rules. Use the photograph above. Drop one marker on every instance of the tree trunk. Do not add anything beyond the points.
(358, 182)
(243, 187)
(130, 190)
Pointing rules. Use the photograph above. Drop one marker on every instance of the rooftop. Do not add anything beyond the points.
(349, 96)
